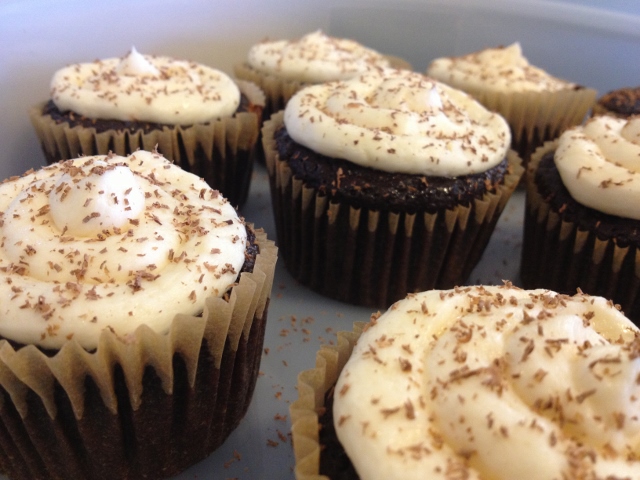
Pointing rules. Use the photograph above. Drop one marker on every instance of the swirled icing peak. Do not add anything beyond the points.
(111, 242)
(145, 88)
(314, 58)
(134, 63)
(86, 200)
(398, 121)
(493, 383)
(600, 164)
(499, 69)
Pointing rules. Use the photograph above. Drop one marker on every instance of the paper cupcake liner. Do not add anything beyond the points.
(600, 110)
(558, 255)
(536, 117)
(374, 257)
(222, 151)
(278, 91)
(145, 406)
(305, 411)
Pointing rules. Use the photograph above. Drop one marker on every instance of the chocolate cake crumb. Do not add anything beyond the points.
(361, 187)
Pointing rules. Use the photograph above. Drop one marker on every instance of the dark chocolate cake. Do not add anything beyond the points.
(105, 124)
(622, 102)
(362, 187)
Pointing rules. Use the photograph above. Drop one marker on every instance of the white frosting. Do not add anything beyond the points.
(145, 88)
(111, 242)
(135, 64)
(122, 199)
(502, 69)
(314, 58)
(493, 382)
(398, 121)
(600, 164)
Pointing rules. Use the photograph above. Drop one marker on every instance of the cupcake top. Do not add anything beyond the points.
(398, 121)
(502, 69)
(314, 58)
(109, 242)
(622, 102)
(145, 88)
(598, 163)
(493, 382)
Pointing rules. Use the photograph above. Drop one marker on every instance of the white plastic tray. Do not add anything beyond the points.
(577, 40)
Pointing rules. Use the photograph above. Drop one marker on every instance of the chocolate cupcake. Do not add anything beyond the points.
(622, 102)
(134, 310)
(474, 382)
(582, 218)
(194, 115)
(537, 105)
(386, 184)
(282, 67)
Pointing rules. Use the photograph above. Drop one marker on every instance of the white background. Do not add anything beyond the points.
(578, 40)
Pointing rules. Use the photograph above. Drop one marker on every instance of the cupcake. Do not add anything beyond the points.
(132, 319)
(537, 105)
(282, 67)
(622, 102)
(582, 218)
(194, 115)
(386, 184)
(477, 382)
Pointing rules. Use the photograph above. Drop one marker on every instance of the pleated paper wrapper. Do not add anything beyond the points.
(535, 117)
(306, 410)
(221, 151)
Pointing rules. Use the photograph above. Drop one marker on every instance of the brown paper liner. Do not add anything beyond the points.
(558, 255)
(145, 407)
(278, 91)
(374, 258)
(222, 151)
(305, 411)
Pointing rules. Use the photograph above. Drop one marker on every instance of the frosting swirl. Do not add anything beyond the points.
(145, 88)
(398, 121)
(111, 242)
(493, 382)
(314, 58)
(499, 69)
(600, 164)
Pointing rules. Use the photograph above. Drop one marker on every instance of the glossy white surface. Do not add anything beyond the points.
(577, 40)
(150, 88)
(398, 121)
